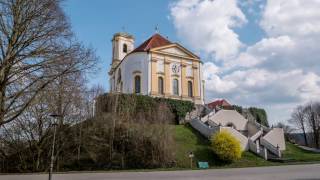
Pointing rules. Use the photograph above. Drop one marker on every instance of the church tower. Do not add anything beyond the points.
(122, 44)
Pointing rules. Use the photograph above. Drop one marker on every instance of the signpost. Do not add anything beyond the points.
(191, 156)
(203, 165)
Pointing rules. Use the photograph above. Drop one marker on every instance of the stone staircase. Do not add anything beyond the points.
(262, 143)
(262, 147)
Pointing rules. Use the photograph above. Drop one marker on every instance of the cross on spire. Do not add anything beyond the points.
(123, 29)
(157, 28)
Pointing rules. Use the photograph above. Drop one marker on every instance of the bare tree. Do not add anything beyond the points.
(299, 120)
(35, 39)
(286, 129)
(312, 113)
(32, 130)
(91, 96)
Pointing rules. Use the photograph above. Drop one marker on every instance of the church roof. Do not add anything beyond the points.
(153, 42)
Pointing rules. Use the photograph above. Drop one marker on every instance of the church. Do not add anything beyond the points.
(157, 68)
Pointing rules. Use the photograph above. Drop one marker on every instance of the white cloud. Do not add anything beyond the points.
(206, 25)
(293, 17)
(270, 53)
(213, 81)
(278, 72)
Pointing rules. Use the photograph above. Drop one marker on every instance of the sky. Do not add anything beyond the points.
(261, 53)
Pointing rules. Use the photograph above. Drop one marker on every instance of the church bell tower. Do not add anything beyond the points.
(122, 44)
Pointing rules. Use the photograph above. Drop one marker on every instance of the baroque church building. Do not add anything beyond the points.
(157, 68)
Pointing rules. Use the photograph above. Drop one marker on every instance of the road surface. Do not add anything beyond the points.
(292, 172)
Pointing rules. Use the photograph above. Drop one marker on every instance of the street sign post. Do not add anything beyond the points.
(191, 156)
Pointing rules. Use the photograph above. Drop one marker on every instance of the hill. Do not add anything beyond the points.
(187, 139)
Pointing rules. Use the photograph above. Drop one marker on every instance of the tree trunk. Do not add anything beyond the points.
(38, 159)
(305, 137)
(2, 96)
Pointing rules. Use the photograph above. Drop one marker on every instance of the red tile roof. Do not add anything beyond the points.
(154, 41)
(221, 103)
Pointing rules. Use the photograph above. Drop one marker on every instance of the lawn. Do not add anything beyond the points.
(294, 153)
(187, 139)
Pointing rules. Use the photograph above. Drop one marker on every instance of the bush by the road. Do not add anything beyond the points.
(226, 146)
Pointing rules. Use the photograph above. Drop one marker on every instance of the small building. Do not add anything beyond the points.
(219, 104)
(157, 67)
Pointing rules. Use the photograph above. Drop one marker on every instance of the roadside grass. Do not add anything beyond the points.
(294, 153)
(188, 139)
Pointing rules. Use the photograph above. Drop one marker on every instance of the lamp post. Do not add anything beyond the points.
(53, 144)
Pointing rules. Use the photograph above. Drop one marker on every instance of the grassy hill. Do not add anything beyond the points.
(187, 139)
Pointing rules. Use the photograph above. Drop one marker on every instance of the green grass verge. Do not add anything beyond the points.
(187, 139)
(294, 153)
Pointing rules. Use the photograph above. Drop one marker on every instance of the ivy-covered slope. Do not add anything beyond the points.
(117, 103)
(258, 114)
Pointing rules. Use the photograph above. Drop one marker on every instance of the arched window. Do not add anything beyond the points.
(137, 84)
(190, 90)
(176, 87)
(230, 124)
(160, 85)
(119, 76)
(125, 48)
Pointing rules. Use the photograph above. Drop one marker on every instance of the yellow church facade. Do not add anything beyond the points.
(157, 68)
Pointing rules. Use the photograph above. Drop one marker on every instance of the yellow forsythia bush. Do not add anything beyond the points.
(226, 146)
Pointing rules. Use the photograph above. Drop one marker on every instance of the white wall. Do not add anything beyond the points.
(135, 62)
(201, 90)
(276, 137)
(118, 47)
(240, 137)
(224, 117)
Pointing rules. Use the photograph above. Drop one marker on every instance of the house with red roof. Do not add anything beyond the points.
(219, 104)
(157, 67)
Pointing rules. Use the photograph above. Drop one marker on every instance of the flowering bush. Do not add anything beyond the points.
(226, 146)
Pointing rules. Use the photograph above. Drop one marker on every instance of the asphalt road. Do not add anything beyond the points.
(292, 172)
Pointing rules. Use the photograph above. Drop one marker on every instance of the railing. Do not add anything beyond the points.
(253, 147)
(264, 128)
(243, 139)
(270, 147)
(202, 128)
(207, 117)
(213, 124)
(256, 136)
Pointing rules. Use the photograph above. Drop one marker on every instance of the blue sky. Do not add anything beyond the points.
(256, 52)
(94, 23)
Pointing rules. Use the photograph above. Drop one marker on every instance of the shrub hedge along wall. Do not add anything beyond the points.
(123, 102)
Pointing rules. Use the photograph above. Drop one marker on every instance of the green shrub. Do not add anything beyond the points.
(226, 146)
(258, 114)
(135, 104)
(178, 107)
